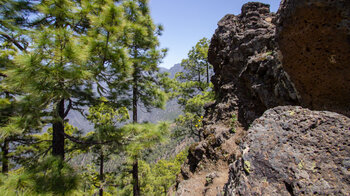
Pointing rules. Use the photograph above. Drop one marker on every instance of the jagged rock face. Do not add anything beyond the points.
(294, 151)
(314, 38)
(248, 79)
(246, 65)
(288, 150)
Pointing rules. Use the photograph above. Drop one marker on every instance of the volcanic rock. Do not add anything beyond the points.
(314, 39)
(244, 55)
(294, 151)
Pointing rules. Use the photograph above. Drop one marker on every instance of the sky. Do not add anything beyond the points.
(185, 22)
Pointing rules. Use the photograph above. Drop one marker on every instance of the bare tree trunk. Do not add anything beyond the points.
(5, 150)
(208, 73)
(135, 169)
(135, 176)
(58, 132)
(134, 102)
(58, 126)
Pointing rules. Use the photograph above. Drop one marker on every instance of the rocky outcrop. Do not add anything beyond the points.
(294, 151)
(271, 63)
(247, 69)
(314, 38)
(244, 56)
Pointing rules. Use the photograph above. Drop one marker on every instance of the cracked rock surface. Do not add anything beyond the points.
(246, 63)
(294, 151)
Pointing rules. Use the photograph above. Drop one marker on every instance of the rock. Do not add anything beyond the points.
(314, 38)
(294, 151)
(247, 69)
(244, 57)
(209, 178)
(267, 66)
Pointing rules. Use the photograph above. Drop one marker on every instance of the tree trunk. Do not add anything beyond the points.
(207, 73)
(5, 150)
(134, 104)
(165, 190)
(135, 95)
(101, 172)
(135, 169)
(5, 160)
(135, 176)
(58, 132)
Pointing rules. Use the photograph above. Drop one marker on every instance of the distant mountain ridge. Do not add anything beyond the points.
(173, 70)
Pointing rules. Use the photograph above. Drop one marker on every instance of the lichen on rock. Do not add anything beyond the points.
(295, 151)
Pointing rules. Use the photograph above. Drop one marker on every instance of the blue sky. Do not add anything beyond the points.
(187, 21)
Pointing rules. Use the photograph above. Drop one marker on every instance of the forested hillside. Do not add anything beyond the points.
(82, 99)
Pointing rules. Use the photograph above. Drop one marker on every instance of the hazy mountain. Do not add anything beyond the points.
(173, 70)
(172, 109)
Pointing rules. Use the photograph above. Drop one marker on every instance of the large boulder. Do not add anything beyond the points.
(314, 38)
(294, 151)
(247, 69)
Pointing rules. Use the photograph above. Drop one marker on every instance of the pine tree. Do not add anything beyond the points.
(194, 89)
(164, 173)
(142, 137)
(108, 55)
(51, 176)
(145, 57)
(196, 66)
(13, 19)
(54, 71)
(12, 41)
(196, 75)
(110, 138)
(56, 53)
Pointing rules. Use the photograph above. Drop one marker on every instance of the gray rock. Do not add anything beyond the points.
(294, 151)
(244, 55)
(288, 150)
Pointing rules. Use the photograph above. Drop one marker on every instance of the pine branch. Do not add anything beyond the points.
(84, 142)
(81, 111)
(3, 75)
(68, 108)
(27, 141)
(37, 156)
(9, 38)
(42, 21)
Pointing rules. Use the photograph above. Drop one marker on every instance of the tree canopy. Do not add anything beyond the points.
(98, 58)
